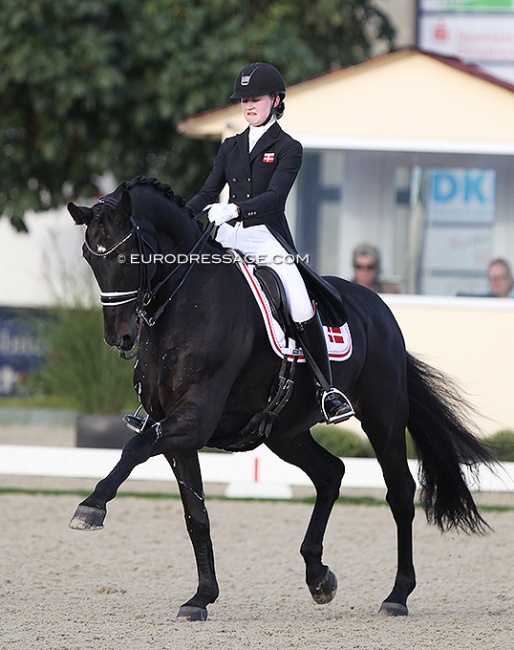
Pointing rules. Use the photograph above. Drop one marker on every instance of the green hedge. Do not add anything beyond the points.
(82, 372)
(502, 444)
(347, 444)
(341, 442)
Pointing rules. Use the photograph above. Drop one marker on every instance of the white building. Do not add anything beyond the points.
(412, 152)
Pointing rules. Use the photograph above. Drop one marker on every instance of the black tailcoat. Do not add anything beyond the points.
(259, 181)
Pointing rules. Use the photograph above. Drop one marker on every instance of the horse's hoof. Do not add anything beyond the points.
(87, 518)
(392, 609)
(192, 613)
(324, 591)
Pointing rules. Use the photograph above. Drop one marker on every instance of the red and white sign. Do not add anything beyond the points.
(486, 39)
(268, 158)
(470, 38)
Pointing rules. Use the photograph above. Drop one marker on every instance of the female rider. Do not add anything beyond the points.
(260, 166)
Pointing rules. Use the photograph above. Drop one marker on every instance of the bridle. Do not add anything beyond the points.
(117, 298)
(145, 294)
(114, 298)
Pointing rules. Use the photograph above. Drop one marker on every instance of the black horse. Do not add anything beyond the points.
(205, 371)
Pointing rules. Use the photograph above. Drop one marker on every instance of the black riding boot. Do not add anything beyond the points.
(335, 406)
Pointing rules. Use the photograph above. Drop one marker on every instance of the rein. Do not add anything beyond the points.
(150, 294)
(144, 294)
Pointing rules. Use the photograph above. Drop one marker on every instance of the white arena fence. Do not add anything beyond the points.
(257, 473)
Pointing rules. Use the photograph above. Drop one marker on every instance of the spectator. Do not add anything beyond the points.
(366, 269)
(501, 282)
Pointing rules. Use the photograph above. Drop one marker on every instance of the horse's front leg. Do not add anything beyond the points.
(179, 431)
(186, 468)
(91, 512)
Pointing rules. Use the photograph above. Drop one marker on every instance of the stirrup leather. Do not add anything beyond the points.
(336, 412)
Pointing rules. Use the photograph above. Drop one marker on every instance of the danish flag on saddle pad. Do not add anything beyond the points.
(268, 158)
(335, 335)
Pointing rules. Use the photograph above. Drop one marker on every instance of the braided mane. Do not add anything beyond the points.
(163, 188)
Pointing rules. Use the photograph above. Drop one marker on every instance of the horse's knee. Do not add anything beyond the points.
(139, 448)
(328, 483)
(328, 493)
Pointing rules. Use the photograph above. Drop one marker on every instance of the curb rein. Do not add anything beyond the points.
(144, 294)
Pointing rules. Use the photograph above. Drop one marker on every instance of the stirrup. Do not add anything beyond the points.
(335, 406)
(134, 422)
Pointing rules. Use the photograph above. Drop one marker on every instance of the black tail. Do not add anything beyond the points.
(440, 426)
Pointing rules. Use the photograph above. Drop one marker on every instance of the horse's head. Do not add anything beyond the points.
(134, 257)
(111, 241)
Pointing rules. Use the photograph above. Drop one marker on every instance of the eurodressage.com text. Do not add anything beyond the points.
(210, 258)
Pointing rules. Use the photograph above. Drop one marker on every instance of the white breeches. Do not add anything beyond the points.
(259, 243)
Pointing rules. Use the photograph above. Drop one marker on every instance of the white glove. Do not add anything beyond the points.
(221, 212)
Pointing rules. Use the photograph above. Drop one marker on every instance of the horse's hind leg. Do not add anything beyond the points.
(326, 472)
(186, 468)
(391, 454)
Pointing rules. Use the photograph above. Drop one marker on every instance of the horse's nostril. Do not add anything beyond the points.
(110, 340)
(126, 342)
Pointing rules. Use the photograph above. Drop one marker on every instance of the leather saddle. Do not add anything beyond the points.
(273, 289)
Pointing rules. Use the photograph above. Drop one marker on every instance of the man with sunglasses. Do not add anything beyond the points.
(366, 269)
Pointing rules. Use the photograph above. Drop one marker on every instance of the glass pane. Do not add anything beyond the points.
(318, 209)
(445, 219)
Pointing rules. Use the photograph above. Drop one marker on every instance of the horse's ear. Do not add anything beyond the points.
(124, 208)
(81, 215)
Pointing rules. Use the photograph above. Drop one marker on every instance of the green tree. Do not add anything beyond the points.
(92, 87)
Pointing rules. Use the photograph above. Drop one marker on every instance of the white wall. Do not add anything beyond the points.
(32, 266)
(472, 340)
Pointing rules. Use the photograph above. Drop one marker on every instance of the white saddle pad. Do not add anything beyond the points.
(339, 340)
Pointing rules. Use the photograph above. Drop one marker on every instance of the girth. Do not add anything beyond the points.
(261, 425)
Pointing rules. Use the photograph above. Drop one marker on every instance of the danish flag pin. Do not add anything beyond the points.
(268, 158)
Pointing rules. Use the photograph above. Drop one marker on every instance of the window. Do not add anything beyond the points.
(437, 219)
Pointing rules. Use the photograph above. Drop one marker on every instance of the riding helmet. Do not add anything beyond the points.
(258, 79)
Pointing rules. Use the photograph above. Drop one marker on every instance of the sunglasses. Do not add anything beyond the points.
(365, 267)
